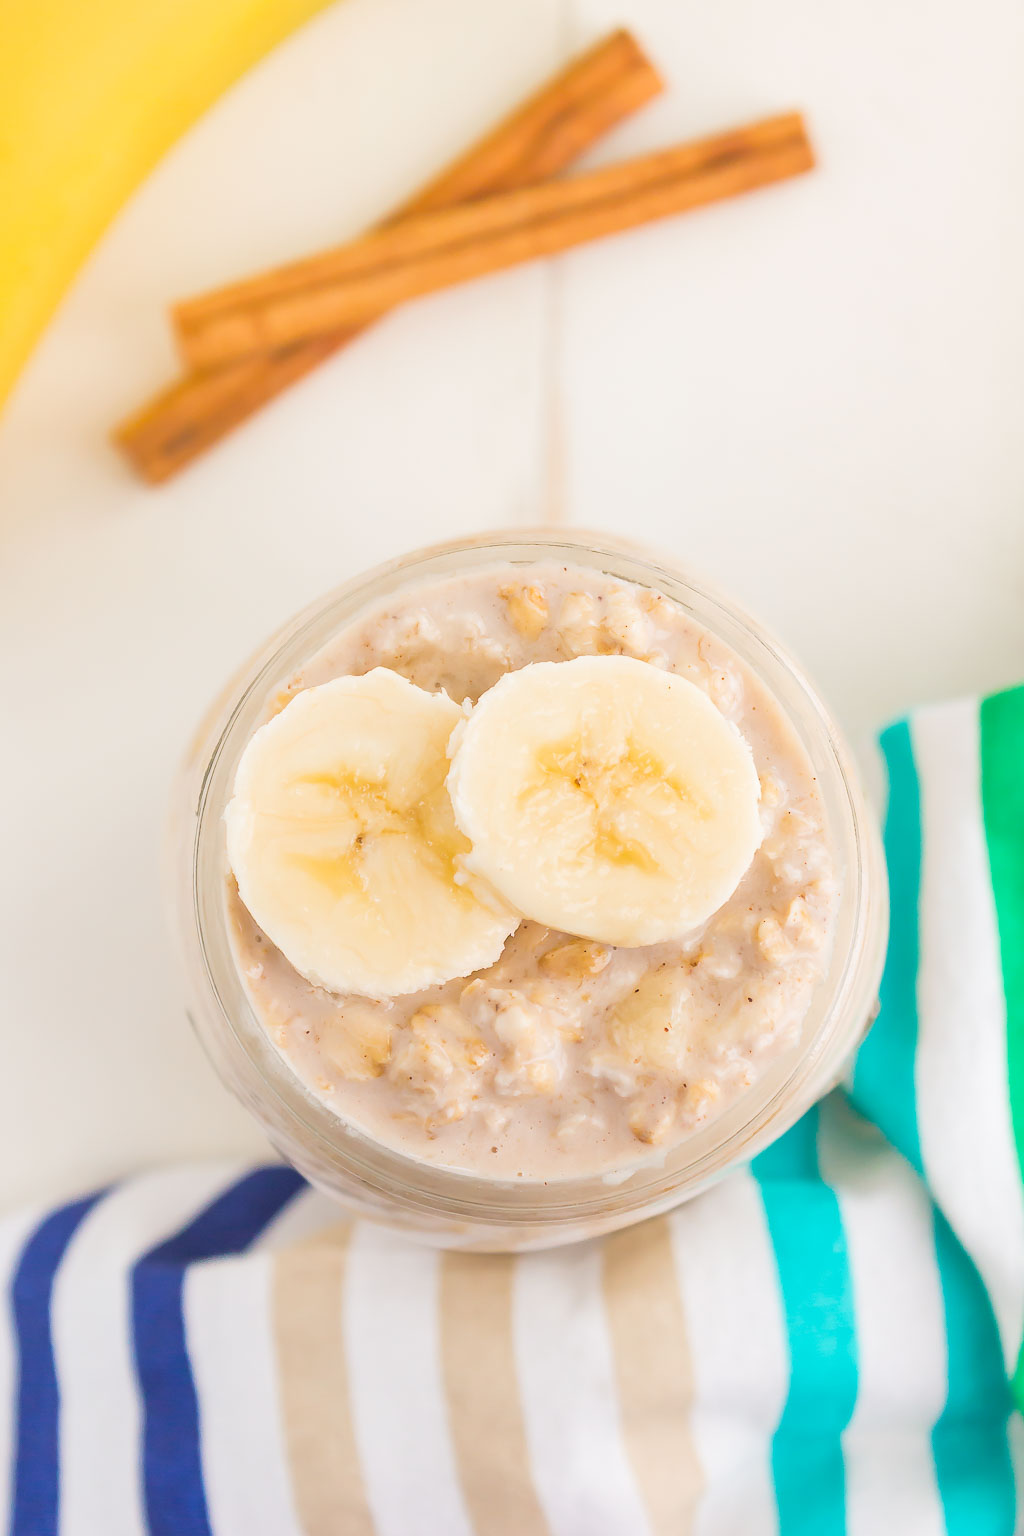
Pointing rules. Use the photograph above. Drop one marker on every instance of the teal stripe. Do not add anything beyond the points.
(883, 1082)
(1002, 791)
(1002, 795)
(970, 1445)
(793, 1156)
(814, 1276)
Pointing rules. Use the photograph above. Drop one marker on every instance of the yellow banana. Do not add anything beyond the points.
(92, 92)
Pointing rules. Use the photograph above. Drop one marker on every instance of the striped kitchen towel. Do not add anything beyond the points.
(823, 1343)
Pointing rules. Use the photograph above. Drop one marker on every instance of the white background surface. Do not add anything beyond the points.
(815, 395)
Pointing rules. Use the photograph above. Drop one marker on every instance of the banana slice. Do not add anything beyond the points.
(606, 798)
(648, 1026)
(342, 840)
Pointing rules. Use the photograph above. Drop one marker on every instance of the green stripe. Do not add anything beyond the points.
(1002, 798)
(883, 1081)
(970, 1442)
(814, 1277)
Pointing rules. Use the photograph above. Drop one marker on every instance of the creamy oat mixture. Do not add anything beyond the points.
(566, 1057)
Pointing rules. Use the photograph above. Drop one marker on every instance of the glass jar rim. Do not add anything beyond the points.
(389, 1176)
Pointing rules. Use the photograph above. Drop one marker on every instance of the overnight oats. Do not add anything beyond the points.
(529, 880)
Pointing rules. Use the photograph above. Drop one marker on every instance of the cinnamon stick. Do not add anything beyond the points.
(354, 283)
(582, 102)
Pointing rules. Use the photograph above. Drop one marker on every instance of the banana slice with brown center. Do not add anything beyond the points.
(342, 840)
(606, 798)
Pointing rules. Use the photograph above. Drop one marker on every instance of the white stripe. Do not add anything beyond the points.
(92, 1339)
(570, 1407)
(901, 1330)
(391, 1333)
(962, 1078)
(14, 1233)
(229, 1323)
(737, 1329)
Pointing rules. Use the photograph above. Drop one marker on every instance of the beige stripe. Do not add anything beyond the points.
(307, 1301)
(654, 1372)
(483, 1395)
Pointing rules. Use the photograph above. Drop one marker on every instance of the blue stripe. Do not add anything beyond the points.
(883, 1083)
(34, 1506)
(171, 1457)
(970, 1444)
(814, 1276)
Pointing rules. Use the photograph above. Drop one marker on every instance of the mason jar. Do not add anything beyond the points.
(447, 1206)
